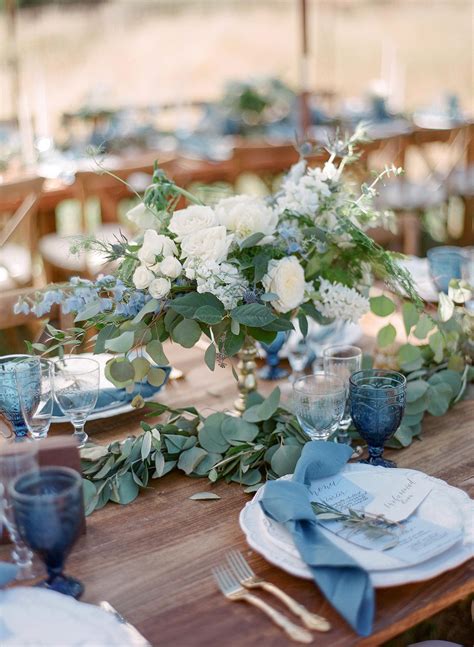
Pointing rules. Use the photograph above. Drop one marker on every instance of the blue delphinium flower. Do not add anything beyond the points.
(21, 307)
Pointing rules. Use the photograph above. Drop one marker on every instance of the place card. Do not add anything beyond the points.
(400, 502)
(339, 492)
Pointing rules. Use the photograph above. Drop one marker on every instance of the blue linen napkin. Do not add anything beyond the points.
(109, 396)
(340, 578)
(8, 573)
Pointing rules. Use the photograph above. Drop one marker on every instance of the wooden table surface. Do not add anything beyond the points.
(152, 559)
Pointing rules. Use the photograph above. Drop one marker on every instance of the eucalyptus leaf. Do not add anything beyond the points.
(416, 390)
(408, 354)
(210, 356)
(186, 333)
(189, 303)
(190, 459)
(120, 371)
(386, 335)
(253, 314)
(436, 342)
(146, 445)
(382, 306)
(154, 349)
(206, 465)
(252, 240)
(404, 435)
(121, 344)
(208, 315)
(439, 398)
(127, 489)
(204, 496)
(210, 435)
(448, 377)
(284, 459)
(148, 308)
(141, 367)
(252, 477)
(423, 327)
(410, 316)
(156, 376)
(159, 464)
(237, 431)
(265, 410)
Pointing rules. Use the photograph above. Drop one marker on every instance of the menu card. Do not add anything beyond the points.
(411, 541)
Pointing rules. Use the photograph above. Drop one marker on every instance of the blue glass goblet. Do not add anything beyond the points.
(377, 402)
(15, 370)
(272, 370)
(48, 509)
(446, 262)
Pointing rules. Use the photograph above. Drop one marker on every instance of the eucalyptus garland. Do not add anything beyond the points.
(265, 443)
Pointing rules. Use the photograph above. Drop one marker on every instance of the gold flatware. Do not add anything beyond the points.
(234, 591)
(249, 580)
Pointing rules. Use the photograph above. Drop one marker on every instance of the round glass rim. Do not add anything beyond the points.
(43, 362)
(45, 498)
(378, 372)
(446, 249)
(5, 359)
(357, 353)
(75, 370)
(306, 378)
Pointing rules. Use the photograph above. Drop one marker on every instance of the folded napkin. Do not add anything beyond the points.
(111, 396)
(340, 578)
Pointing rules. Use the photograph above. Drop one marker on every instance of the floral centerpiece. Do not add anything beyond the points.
(238, 271)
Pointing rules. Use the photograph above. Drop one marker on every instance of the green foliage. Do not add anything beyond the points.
(219, 447)
(382, 306)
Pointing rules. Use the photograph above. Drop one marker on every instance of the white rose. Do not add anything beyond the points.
(143, 217)
(245, 215)
(286, 279)
(208, 244)
(192, 219)
(159, 288)
(142, 277)
(171, 267)
(155, 245)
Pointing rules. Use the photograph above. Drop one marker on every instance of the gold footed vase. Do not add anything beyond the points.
(246, 374)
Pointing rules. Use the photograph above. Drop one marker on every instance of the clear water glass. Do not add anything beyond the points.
(9, 401)
(299, 355)
(15, 461)
(48, 509)
(36, 395)
(377, 401)
(343, 360)
(446, 262)
(319, 402)
(76, 389)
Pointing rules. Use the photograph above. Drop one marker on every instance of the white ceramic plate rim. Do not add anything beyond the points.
(252, 523)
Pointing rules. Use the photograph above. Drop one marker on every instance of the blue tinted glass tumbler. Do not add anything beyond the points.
(377, 402)
(14, 370)
(446, 262)
(48, 509)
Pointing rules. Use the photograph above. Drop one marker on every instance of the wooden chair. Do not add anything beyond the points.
(18, 235)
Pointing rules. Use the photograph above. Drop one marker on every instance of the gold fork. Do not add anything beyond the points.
(233, 591)
(249, 580)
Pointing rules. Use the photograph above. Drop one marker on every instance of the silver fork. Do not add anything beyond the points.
(249, 580)
(233, 591)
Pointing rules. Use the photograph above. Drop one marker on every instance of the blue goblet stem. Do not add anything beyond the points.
(273, 371)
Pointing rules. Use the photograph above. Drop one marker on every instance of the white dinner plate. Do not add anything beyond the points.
(445, 505)
(33, 617)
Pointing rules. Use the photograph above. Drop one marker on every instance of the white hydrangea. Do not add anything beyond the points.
(337, 301)
(223, 281)
(304, 192)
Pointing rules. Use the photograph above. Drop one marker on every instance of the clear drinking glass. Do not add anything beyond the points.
(299, 355)
(48, 508)
(343, 360)
(14, 462)
(76, 388)
(319, 402)
(36, 395)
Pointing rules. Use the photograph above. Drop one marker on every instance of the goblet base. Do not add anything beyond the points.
(63, 584)
(378, 461)
(272, 373)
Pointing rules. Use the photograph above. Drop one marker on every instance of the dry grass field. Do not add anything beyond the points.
(146, 51)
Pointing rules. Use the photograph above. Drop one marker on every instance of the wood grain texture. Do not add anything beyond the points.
(152, 559)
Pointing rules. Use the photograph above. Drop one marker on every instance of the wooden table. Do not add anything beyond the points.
(152, 559)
